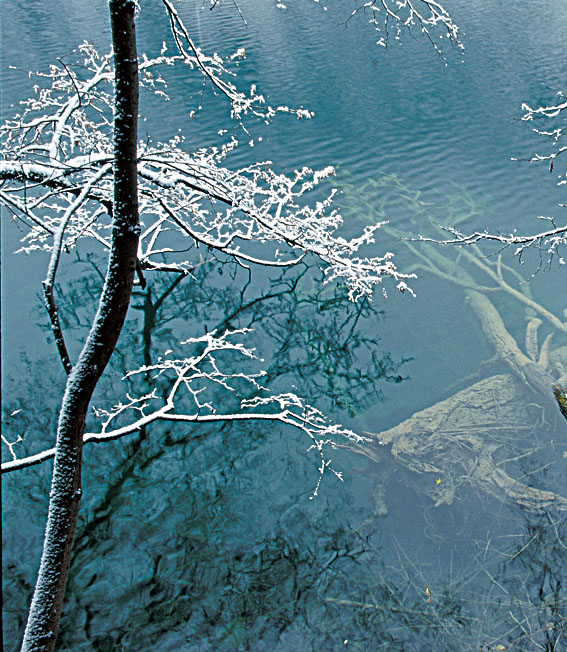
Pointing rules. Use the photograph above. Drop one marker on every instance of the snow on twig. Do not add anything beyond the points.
(551, 241)
(56, 167)
(187, 392)
(56, 171)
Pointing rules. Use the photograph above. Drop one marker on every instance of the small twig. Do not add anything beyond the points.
(71, 77)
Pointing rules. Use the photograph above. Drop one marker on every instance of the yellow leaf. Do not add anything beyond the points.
(499, 647)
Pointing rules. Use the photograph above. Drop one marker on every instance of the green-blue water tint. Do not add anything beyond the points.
(205, 539)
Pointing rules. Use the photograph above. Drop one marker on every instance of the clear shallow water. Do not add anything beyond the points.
(194, 540)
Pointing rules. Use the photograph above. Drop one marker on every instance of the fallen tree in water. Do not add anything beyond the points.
(485, 433)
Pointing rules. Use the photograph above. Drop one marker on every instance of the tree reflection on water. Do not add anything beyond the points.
(178, 495)
(203, 537)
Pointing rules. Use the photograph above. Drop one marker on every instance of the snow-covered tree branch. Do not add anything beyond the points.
(391, 17)
(74, 174)
(552, 239)
(58, 182)
(192, 396)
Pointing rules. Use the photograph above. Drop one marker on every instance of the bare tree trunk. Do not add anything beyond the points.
(45, 610)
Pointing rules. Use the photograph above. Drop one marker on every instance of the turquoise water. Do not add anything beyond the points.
(206, 539)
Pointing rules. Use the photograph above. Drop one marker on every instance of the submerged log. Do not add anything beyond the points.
(458, 438)
(524, 368)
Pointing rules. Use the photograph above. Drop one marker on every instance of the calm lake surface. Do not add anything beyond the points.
(441, 538)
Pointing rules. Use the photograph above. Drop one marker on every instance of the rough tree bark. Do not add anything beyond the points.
(45, 610)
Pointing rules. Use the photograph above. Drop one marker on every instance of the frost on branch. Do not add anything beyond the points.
(254, 215)
(200, 388)
(424, 15)
(552, 239)
(215, 72)
(57, 183)
(57, 172)
(389, 17)
(554, 131)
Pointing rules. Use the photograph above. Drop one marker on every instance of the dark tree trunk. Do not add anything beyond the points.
(45, 610)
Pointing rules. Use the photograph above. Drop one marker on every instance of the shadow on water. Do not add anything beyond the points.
(451, 536)
(205, 539)
(183, 531)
